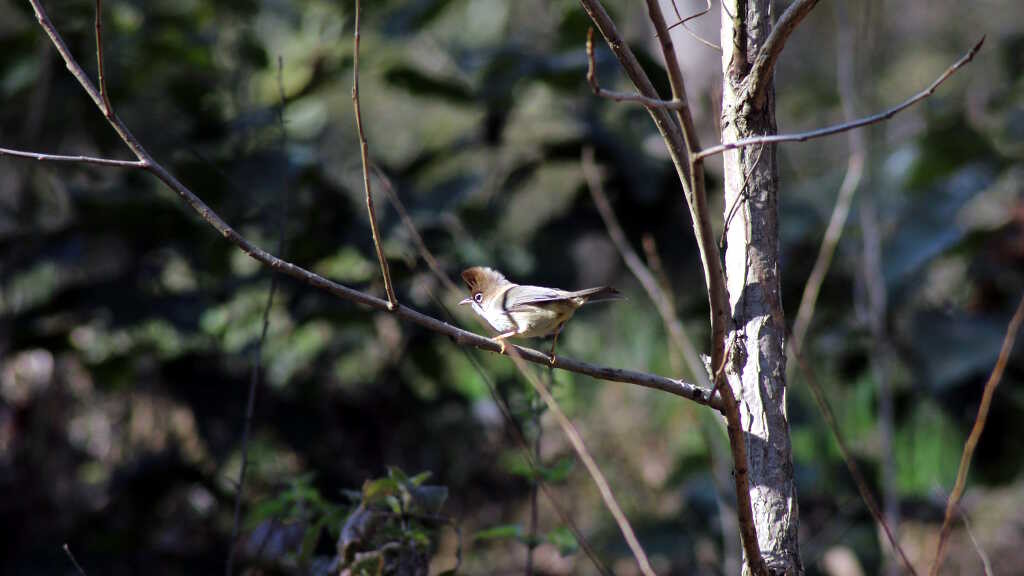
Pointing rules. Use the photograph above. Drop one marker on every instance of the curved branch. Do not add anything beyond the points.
(760, 75)
(845, 126)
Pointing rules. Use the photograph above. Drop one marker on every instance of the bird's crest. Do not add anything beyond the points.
(480, 278)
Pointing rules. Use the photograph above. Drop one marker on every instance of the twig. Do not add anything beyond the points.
(873, 280)
(588, 461)
(403, 214)
(851, 181)
(621, 96)
(99, 60)
(365, 155)
(531, 543)
(985, 562)
(976, 430)
(43, 157)
(654, 290)
(851, 464)
(682, 22)
(760, 75)
(458, 335)
(718, 294)
(836, 129)
(78, 568)
(257, 353)
(534, 466)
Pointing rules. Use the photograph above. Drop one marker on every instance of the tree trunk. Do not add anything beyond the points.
(756, 369)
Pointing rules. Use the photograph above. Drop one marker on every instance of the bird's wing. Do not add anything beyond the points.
(516, 297)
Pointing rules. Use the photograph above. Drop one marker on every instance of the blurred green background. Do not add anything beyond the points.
(127, 325)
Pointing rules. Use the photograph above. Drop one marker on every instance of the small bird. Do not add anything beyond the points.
(526, 311)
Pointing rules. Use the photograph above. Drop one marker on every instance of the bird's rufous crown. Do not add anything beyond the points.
(480, 278)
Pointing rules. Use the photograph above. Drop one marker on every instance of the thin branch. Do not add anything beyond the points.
(533, 465)
(531, 539)
(836, 129)
(588, 461)
(43, 157)
(847, 86)
(851, 464)
(718, 295)
(655, 283)
(682, 22)
(403, 214)
(975, 435)
(107, 110)
(365, 155)
(78, 568)
(760, 76)
(257, 353)
(653, 288)
(621, 96)
(985, 562)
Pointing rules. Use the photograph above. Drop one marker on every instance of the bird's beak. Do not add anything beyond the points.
(466, 301)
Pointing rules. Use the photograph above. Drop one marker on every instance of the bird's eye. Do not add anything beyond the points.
(478, 297)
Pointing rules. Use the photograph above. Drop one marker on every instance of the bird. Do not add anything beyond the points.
(526, 311)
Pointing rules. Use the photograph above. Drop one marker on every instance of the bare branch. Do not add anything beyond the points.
(43, 157)
(985, 562)
(976, 430)
(718, 295)
(760, 75)
(836, 129)
(107, 110)
(621, 96)
(425, 253)
(847, 87)
(78, 568)
(364, 153)
(257, 353)
(682, 22)
(588, 461)
(653, 288)
(851, 464)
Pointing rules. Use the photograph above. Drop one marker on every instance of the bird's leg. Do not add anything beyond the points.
(554, 341)
(500, 339)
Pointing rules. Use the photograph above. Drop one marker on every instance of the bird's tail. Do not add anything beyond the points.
(599, 294)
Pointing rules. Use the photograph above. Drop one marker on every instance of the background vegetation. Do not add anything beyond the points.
(127, 326)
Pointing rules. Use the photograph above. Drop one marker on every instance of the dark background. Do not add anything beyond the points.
(127, 325)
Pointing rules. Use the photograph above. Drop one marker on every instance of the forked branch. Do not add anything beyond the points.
(760, 75)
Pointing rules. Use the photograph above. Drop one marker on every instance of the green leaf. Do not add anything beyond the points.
(420, 478)
(310, 539)
(377, 491)
(500, 532)
(564, 540)
(396, 474)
